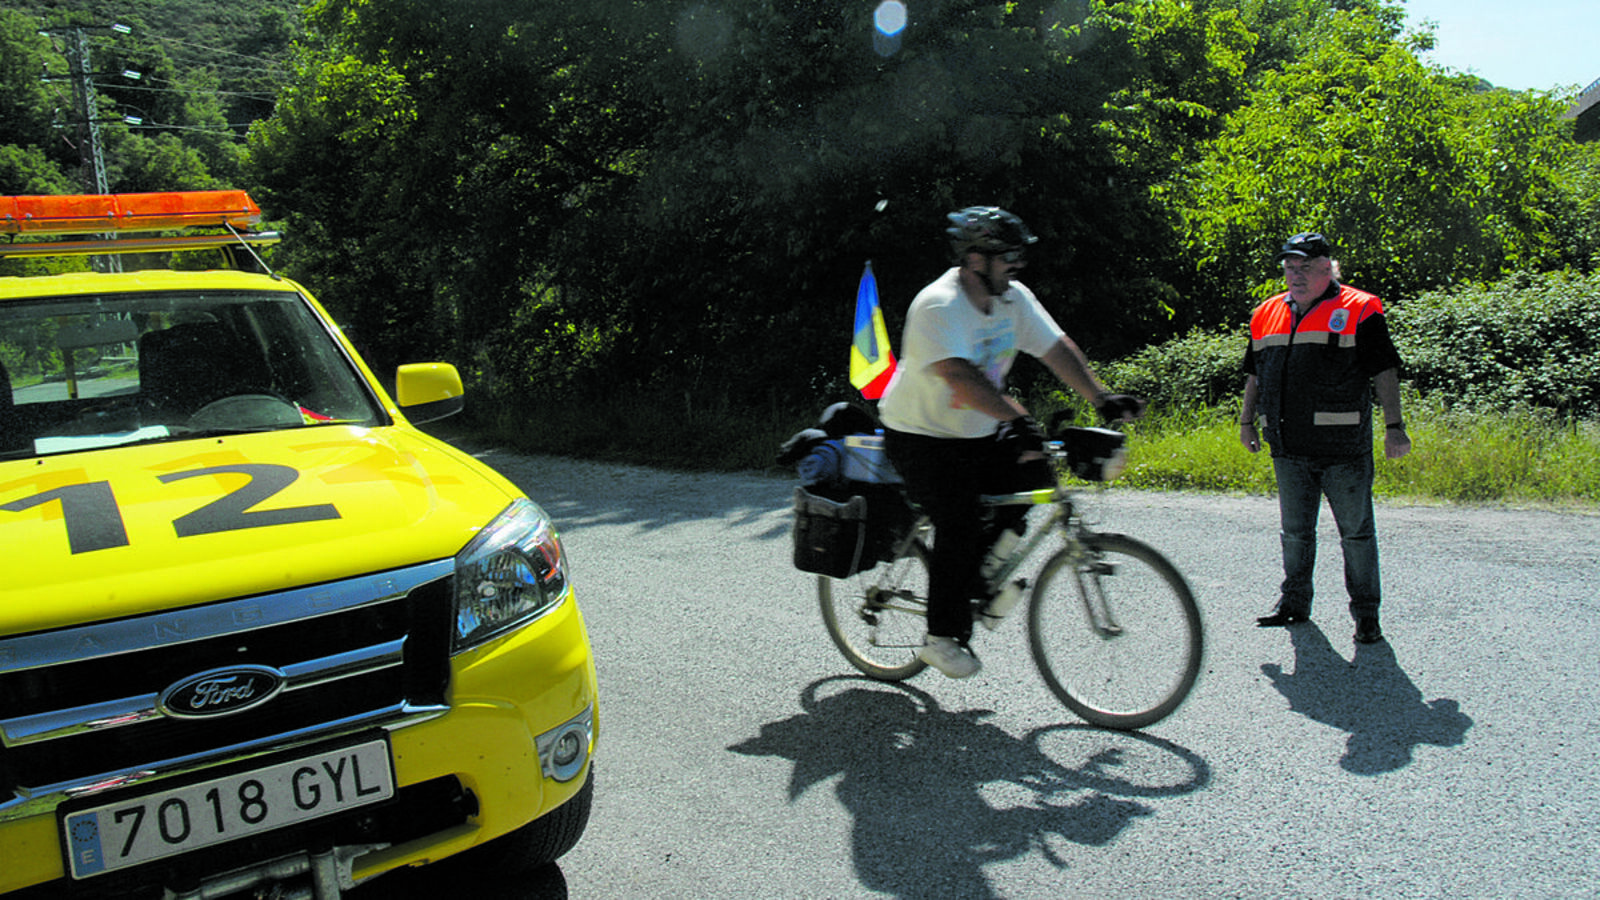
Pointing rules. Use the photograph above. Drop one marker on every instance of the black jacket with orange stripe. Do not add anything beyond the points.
(1315, 371)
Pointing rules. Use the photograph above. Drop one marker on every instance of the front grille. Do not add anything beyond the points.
(78, 707)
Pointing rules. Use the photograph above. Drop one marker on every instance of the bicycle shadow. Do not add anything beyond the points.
(937, 795)
(1370, 698)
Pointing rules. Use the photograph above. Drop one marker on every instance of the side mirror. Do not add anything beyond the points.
(427, 392)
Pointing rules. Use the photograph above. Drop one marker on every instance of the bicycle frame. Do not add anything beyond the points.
(1060, 516)
(1112, 626)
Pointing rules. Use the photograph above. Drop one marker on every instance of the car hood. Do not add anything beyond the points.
(129, 530)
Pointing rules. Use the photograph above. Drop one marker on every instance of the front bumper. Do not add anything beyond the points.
(466, 773)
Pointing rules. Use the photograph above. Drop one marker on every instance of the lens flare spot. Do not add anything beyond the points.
(890, 18)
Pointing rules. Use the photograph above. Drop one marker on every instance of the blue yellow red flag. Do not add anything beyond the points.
(871, 359)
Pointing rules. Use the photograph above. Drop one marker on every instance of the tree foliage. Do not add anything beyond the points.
(205, 70)
(695, 189)
(31, 161)
(1419, 179)
(638, 195)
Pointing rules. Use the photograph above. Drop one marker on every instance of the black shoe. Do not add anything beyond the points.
(1367, 630)
(1280, 619)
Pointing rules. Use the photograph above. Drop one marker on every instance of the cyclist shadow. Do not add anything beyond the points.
(1370, 697)
(937, 795)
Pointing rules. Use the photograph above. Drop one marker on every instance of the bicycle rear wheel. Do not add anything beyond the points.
(1115, 632)
(877, 617)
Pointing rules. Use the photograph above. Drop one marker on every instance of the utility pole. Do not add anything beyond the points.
(92, 165)
(92, 159)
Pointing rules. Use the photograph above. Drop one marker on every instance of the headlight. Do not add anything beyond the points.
(511, 573)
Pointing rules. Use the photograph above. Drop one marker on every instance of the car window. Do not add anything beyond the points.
(96, 371)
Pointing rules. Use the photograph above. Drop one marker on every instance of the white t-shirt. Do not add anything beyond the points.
(943, 324)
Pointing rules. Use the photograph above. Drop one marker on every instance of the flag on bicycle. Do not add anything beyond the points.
(871, 359)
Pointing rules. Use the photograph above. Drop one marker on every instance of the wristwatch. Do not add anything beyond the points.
(1395, 426)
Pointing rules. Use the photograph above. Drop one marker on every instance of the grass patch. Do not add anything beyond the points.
(1195, 453)
(1490, 457)
(1526, 457)
(1457, 456)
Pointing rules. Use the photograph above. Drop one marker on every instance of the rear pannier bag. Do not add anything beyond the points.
(840, 537)
(830, 536)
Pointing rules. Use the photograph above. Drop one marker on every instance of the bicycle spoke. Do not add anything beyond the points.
(877, 618)
(1116, 635)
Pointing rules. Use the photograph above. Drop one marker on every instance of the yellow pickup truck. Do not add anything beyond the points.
(257, 631)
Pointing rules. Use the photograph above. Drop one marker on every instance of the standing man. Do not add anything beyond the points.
(1317, 353)
(951, 429)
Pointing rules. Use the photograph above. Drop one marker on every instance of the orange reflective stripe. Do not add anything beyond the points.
(1273, 321)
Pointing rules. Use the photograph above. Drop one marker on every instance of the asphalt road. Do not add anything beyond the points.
(739, 756)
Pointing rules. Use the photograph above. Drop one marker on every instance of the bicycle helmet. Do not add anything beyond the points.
(987, 229)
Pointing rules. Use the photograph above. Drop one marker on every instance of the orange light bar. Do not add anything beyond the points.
(86, 213)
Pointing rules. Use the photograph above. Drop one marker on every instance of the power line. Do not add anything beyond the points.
(253, 95)
(208, 49)
(265, 67)
(226, 130)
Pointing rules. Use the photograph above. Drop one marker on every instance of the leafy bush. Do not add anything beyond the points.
(1530, 340)
(1195, 449)
(1198, 369)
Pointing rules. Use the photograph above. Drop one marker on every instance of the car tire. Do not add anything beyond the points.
(545, 839)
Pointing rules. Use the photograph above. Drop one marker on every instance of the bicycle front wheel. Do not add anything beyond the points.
(877, 617)
(1115, 632)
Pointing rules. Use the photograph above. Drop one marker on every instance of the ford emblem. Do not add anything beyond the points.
(221, 692)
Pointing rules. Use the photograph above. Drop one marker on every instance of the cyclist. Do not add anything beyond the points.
(951, 429)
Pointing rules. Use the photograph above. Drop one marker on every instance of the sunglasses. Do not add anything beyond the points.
(1010, 256)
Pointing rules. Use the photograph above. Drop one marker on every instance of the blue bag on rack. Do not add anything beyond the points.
(850, 511)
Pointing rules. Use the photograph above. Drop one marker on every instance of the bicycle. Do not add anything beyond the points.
(1113, 627)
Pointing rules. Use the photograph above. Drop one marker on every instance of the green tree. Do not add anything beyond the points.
(190, 100)
(789, 152)
(1419, 179)
(1287, 30)
(435, 156)
(631, 194)
(32, 160)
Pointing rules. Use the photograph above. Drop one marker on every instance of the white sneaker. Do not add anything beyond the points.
(949, 656)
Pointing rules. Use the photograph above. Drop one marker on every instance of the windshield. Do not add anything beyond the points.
(98, 371)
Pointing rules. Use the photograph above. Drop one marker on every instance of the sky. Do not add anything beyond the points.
(1533, 44)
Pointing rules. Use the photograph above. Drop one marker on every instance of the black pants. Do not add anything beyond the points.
(945, 476)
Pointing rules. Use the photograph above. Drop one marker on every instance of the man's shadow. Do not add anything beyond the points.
(937, 795)
(1370, 698)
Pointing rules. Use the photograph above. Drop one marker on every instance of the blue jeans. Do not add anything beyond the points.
(1347, 483)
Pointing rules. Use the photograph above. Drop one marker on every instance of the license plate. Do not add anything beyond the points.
(140, 829)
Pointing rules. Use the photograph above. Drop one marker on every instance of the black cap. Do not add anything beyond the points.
(1308, 244)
